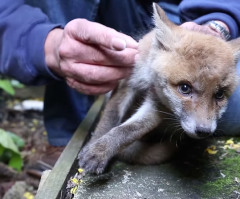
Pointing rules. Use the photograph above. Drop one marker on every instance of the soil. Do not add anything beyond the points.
(29, 126)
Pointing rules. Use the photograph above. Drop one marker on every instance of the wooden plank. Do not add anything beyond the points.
(57, 178)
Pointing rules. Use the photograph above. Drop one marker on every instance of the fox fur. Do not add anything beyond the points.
(181, 82)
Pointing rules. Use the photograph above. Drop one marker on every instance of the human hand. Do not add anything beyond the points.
(89, 56)
(205, 28)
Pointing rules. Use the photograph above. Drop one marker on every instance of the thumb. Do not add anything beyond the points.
(98, 34)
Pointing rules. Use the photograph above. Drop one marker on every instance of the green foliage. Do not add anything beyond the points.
(16, 139)
(9, 149)
(8, 85)
(16, 84)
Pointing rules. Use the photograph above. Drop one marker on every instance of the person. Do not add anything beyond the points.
(80, 49)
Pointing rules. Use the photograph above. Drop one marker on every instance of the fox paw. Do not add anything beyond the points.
(93, 158)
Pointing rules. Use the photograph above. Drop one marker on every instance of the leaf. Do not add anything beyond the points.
(1, 150)
(16, 162)
(16, 139)
(10, 150)
(6, 85)
(7, 142)
(16, 84)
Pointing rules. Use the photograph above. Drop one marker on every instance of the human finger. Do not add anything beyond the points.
(199, 28)
(93, 54)
(89, 54)
(94, 74)
(91, 89)
(98, 34)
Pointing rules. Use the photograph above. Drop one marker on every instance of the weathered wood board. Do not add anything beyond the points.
(56, 180)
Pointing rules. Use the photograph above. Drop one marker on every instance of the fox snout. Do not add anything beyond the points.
(198, 129)
(203, 132)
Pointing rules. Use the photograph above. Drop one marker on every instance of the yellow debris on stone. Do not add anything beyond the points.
(230, 144)
(73, 190)
(211, 150)
(80, 170)
(28, 195)
(75, 181)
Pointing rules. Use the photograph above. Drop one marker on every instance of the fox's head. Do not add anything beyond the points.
(193, 74)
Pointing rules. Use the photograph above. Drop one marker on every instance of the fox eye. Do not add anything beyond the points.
(185, 89)
(219, 95)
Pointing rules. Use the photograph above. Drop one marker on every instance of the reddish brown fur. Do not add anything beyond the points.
(175, 56)
(169, 58)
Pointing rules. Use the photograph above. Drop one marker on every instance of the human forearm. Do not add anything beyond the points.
(23, 30)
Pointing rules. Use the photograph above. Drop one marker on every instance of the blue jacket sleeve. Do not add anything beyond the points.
(23, 30)
(202, 11)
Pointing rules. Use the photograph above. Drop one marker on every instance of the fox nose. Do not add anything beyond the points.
(203, 132)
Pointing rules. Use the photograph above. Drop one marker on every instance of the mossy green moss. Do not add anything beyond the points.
(226, 180)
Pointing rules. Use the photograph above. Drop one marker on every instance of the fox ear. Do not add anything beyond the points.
(235, 44)
(163, 28)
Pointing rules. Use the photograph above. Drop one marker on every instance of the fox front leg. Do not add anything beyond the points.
(95, 156)
(114, 111)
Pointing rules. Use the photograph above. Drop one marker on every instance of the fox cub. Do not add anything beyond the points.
(181, 83)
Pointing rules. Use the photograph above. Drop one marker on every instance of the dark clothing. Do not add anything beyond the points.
(23, 31)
